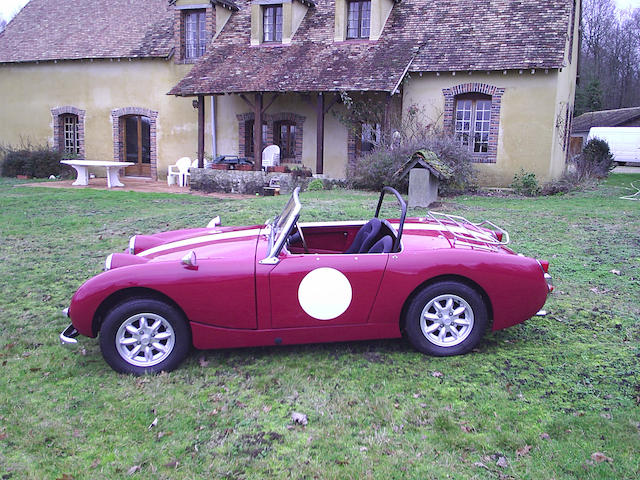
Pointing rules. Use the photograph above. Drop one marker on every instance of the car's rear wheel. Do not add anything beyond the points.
(446, 318)
(144, 336)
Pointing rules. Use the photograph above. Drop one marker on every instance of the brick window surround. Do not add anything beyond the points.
(492, 91)
(297, 120)
(118, 147)
(58, 127)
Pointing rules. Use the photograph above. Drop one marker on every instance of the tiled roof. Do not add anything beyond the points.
(81, 29)
(493, 35)
(419, 35)
(605, 118)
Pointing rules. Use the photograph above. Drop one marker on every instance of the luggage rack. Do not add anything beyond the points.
(484, 234)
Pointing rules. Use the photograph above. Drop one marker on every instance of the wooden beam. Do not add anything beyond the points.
(271, 102)
(247, 100)
(257, 132)
(200, 131)
(331, 103)
(320, 134)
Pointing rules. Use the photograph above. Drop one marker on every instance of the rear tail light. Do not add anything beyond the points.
(498, 235)
(545, 265)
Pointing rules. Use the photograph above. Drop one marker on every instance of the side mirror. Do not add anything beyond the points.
(215, 221)
(190, 261)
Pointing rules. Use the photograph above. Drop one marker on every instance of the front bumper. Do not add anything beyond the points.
(69, 334)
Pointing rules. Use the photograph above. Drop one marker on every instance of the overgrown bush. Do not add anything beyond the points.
(315, 184)
(35, 161)
(526, 183)
(376, 169)
(595, 161)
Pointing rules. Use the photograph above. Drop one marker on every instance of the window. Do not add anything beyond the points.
(359, 19)
(285, 138)
(248, 137)
(69, 140)
(472, 121)
(272, 23)
(195, 33)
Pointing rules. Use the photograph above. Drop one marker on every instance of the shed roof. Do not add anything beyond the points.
(605, 118)
(84, 29)
(419, 35)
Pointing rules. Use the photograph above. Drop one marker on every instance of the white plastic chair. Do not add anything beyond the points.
(180, 171)
(271, 156)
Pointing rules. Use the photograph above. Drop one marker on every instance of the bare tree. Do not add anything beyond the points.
(610, 57)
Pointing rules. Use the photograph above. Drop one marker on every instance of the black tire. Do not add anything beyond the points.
(446, 334)
(142, 336)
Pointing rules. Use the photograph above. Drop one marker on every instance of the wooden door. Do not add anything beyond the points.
(136, 133)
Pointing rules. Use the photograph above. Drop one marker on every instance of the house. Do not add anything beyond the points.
(499, 75)
(620, 117)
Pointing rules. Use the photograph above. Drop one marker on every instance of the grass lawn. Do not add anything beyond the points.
(556, 397)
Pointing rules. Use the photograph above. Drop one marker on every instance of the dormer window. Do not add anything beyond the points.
(272, 23)
(359, 19)
(195, 33)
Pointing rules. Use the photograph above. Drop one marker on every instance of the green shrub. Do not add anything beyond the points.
(376, 169)
(596, 160)
(525, 183)
(35, 161)
(315, 184)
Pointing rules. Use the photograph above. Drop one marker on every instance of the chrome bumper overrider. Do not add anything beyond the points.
(68, 336)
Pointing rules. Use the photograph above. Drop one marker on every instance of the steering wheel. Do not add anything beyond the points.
(304, 242)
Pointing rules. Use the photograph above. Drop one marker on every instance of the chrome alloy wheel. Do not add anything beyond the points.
(145, 339)
(447, 320)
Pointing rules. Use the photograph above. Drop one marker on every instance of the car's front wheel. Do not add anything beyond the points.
(144, 336)
(446, 318)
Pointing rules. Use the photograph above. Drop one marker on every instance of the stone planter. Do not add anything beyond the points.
(220, 166)
(277, 169)
(244, 168)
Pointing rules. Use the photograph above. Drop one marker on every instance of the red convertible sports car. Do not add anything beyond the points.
(439, 280)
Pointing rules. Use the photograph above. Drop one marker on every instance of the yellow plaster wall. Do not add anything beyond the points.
(30, 91)
(527, 119)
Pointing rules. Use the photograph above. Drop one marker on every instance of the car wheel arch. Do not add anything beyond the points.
(128, 294)
(446, 278)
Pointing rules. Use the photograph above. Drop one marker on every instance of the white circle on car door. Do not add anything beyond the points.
(325, 293)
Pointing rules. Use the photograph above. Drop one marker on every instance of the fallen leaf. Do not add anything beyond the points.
(266, 409)
(299, 418)
(480, 465)
(3, 435)
(521, 452)
(600, 457)
(466, 428)
(173, 464)
(203, 361)
(65, 476)
(134, 469)
(502, 462)
(416, 395)
(545, 436)
(46, 298)
(436, 374)
(95, 463)
(363, 449)
(615, 272)
(154, 423)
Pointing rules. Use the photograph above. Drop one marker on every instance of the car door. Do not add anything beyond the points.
(324, 289)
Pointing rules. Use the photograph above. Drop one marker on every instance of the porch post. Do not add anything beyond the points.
(200, 131)
(257, 132)
(320, 134)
